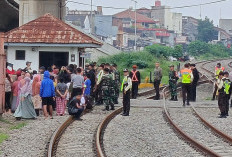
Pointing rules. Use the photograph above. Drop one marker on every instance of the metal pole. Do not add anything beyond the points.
(135, 25)
(91, 18)
(2, 73)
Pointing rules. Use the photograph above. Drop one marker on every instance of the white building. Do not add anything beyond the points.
(32, 9)
(46, 41)
(168, 20)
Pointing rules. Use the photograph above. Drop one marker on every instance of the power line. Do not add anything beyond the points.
(178, 7)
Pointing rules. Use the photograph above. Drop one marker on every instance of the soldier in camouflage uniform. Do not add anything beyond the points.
(106, 86)
(116, 83)
(173, 77)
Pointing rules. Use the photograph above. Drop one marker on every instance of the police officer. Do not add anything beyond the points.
(173, 77)
(106, 85)
(125, 88)
(97, 91)
(227, 88)
(187, 77)
(135, 77)
(116, 77)
(221, 95)
(218, 69)
(194, 83)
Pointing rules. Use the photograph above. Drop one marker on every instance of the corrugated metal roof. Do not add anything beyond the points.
(48, 29)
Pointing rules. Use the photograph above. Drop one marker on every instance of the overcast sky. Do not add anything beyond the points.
(212, 10)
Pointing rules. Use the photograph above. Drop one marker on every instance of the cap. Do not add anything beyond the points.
(125, 70)
(226, 73)
(134, 66)
(107, 64)
(221, 73)
(193, 65)
(171, 65)
(106, 70)
(28, 62)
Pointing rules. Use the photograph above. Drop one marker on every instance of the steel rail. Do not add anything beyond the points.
(56, 136)
(100, 132)
(213, 128)
(193, 142)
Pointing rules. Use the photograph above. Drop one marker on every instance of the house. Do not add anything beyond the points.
(46, 41)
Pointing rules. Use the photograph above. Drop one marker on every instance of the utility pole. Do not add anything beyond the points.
(91, 18)
(135, 25)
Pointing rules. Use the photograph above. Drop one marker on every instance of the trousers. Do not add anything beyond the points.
(156, 86)
(7, 101)
(126, 102)
(215, 91)
(186, 90)
(222, 103)
(135, 86)
(193, 91)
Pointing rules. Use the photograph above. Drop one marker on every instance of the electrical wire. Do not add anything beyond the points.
(177, 7)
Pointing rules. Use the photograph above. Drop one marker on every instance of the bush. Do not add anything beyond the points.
(159, 50)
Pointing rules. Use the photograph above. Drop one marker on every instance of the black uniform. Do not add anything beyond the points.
(194, 84)
(135, 77)
(126, 95)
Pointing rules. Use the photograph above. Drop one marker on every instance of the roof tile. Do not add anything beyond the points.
(49, 30)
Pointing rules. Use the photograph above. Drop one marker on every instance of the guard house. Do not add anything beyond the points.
(46, 41)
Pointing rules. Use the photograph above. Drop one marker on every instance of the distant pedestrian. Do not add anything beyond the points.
(227, 91)
(87, 91)
(221, 95)
(26, 107)
(194, 83)
(218, 69)
(126, 89)
(15, 89)
(76, 106)
(8, 92)
(135, 77)
(106, 86)
(47, 93)
(173, 78)
(187, 78)
(61, 94)
(35, 93)
(78, 81)
(116, 74)
(157, 80)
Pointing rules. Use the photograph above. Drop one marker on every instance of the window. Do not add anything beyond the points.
(20, 55)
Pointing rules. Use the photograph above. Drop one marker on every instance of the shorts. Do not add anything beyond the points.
(47, 101)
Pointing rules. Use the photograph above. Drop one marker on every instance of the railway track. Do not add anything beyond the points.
(97, 132)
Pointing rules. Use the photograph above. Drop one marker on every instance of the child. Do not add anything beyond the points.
(87, 89)
(61, 93)
(76, 106)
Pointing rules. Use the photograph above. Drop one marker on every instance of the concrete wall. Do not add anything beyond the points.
(32, 9)
(33, 56)
(177, 23)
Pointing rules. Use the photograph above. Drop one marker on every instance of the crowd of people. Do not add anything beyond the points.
(78, 88)
(28, 92)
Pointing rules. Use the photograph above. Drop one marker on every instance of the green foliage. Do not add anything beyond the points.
(159, 50)
(178, 51)
(204, 50)
(206, 30)
(197, 48)
(18, 126)
(3, 137)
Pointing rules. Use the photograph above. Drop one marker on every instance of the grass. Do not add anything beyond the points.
(4, 121)
(3, 137)
(18, 126)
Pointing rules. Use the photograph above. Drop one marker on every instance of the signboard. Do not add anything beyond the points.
(85, 55)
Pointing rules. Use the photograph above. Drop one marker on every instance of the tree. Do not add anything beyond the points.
(159, 50)
(206, 31)
(178, 51)
(197, 48)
